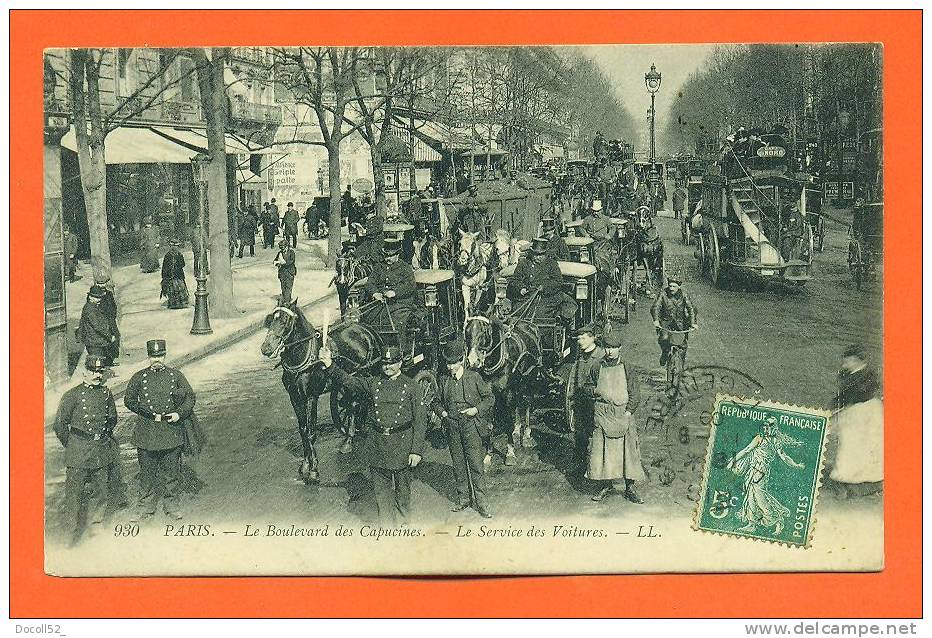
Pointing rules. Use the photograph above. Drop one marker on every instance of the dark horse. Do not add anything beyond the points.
(297, 343)
(349, 269)
(508, 354)
(649, 249)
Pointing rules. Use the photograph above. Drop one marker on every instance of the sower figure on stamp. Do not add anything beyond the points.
(589, 356)
(84, 424)
(287, 270)
(465, 404)
(163, 401)
(393, 434)
(614, 448)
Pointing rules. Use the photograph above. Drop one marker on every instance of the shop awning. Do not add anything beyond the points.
(197, 139)
(128, 145)
(246, 176)
(437, 134)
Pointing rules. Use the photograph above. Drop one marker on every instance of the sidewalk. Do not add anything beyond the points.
(144, 316)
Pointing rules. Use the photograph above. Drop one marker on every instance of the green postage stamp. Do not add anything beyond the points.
(763, 470)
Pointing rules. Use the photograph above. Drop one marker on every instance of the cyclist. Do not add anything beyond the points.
(672, 310)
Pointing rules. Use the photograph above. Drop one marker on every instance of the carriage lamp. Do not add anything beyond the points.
(582, 289)
(430, 296)
(501, 288)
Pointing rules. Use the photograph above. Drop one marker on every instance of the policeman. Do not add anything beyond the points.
(465, 403)
(392, 283)
(556, 245)
(287, 270)
(541, 273)
(84, 424)
(164, 402)
(393, 433)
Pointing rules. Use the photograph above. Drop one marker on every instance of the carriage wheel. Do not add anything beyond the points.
(700, 253)
(343, 413)
(715, 261)
(686, 230)
(568, 405)
(854, 264)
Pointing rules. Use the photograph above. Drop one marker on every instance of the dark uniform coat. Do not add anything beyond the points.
(396, 418)
(84, 424)
(161, 391)
(287, 267)
(95, 330)
(399, 277)
(558, 249)
(545, 275)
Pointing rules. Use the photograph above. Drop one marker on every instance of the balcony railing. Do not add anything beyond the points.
(251, 112)
(178, 111)
(251, 55)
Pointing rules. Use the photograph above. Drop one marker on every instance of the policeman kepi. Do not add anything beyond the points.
(393, 433)
(163, 401)
(465, 403)
(84, 424)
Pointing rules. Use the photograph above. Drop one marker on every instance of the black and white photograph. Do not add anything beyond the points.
(464, 310)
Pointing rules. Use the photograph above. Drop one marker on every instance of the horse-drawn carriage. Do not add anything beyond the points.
(865, 244)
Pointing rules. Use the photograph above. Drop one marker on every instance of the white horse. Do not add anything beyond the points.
(472, 264)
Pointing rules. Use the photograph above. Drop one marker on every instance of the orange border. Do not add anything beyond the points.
(894, 592)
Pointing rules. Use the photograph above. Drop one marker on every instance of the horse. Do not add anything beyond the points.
(508, 355)
(291, 338)
(649, 248)
(431, 252)
(349, 270)
(473, 266)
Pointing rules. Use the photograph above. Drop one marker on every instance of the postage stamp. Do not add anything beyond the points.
(763, 470)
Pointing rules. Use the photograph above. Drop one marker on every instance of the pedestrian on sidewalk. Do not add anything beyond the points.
(247, 231)
(589, 356)
(679, 200)
(614, 449)
(148, 247)
(96, 329)
(465, 403)
(71, 254)
(174, 287)
(393, 435)
(163, 401)
(109, 307)
(311, 221)
(287, 270)
(269, 222)
(84, 425)
(290, 225)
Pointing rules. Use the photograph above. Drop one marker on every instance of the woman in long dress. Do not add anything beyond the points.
(173, 284)
(760, 506)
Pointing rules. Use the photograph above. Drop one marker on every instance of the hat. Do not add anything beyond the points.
(453, 351)
(540, 246)
(589, 328)
(391, 354)
(675, 276)
(855, 350)
(612, 339)
(548, 222)
(97, 292)
(282, 243)
(101, 278)
(96, 363)
(596, 205)
(273, 200)
(391, 246)
(155, 347)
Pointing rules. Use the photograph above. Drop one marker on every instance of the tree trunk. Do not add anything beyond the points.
(213, 101)
(378, 178)
(335, 241)
(89, 137)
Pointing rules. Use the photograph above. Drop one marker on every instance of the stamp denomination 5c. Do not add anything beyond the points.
(763, 470)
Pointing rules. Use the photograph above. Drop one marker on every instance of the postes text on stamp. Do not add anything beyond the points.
(762, 470)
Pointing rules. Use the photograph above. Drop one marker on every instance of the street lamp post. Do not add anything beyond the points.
(652, 80)
(201, 324)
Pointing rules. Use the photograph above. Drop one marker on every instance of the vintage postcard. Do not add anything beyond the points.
(464, 310)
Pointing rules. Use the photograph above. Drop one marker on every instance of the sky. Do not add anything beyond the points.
(626, 65)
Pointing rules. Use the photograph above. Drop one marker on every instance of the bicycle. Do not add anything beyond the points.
(676, 358)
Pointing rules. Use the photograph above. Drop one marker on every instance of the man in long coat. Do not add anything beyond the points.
(392, 282)
(173, 283)
(287, 270)
(148, 247)
(614, 449)
(163, 401)
(464, 403)
(269, 221)
(542, 273)
(247, 231)
(556, 245)
(393, 433)
(96, 330)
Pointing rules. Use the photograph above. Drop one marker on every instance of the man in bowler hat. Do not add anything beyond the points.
(287, 270)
